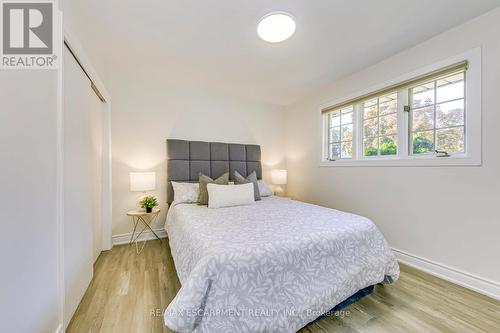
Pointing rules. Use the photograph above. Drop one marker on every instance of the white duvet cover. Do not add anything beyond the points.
(273, 266)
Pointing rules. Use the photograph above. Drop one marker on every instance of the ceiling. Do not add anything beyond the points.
(213, 44)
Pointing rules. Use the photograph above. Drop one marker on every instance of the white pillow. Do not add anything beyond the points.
(186, 192)
(264, 189)
(230, 195)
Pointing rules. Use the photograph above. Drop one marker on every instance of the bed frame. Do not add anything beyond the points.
(186, 159)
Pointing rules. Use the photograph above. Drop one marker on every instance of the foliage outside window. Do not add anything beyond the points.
(380, 124)
(438, 115)
(340, 129)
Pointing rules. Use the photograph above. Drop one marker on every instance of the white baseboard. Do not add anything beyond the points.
(464, 279)
(146, 235)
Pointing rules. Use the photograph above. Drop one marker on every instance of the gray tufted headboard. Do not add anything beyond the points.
(186, 159)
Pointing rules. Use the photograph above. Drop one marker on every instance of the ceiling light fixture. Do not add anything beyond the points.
(276, 27)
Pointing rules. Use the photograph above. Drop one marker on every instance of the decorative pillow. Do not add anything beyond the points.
(264, 189)
(230, 195)
(251, 178)
(204, 180)
(186, 192)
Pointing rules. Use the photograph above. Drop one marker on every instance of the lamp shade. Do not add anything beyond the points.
(278, 177)
(142, 181)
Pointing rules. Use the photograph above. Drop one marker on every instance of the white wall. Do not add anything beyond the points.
(82, 183)
(147, 110)
(80, 19)
(29, 300)
(445, 214)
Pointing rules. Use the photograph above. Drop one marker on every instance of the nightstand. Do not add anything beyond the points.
(146, 219)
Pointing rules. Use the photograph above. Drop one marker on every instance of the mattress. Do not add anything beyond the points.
(273, 266)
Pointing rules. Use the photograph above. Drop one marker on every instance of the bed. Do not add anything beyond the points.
(273, 266)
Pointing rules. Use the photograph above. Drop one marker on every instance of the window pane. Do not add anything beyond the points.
(347, 109)
(346, 150)
(371, 127)
(388, 124)
(423, 95)
(388, 98)
(335, 151)
(388, 104)
(335, 134)
(347, 118)
(450, 140)
(347, 132)
(450, 114)
(335, 119)
(388, 145)
(423, 119)
(451, 87)
(423, 142)
(370, 109)
(370, 147)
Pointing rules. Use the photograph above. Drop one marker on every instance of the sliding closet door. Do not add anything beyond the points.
(82, 182)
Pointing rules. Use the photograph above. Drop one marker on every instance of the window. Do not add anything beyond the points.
(380, 125)
(340, 131)
(438, 115)
(431, 118)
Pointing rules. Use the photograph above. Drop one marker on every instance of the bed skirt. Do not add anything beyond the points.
(345, 303)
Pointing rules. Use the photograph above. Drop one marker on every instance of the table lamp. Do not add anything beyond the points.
(279, 177)
(142, 181)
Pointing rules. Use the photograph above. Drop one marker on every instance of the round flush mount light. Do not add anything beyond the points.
(276, 27)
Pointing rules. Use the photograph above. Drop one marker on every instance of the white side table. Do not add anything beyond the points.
(146, 219)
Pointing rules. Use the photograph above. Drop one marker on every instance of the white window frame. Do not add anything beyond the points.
(327, 130)
(473, 120)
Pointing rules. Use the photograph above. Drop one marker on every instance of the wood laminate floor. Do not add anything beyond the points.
(130, 290)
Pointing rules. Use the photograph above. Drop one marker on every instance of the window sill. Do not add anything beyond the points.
(413, 161)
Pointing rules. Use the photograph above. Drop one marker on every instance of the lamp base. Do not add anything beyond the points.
(279, 191)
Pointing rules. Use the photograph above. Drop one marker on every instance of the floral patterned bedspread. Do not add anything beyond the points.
(273, 266)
